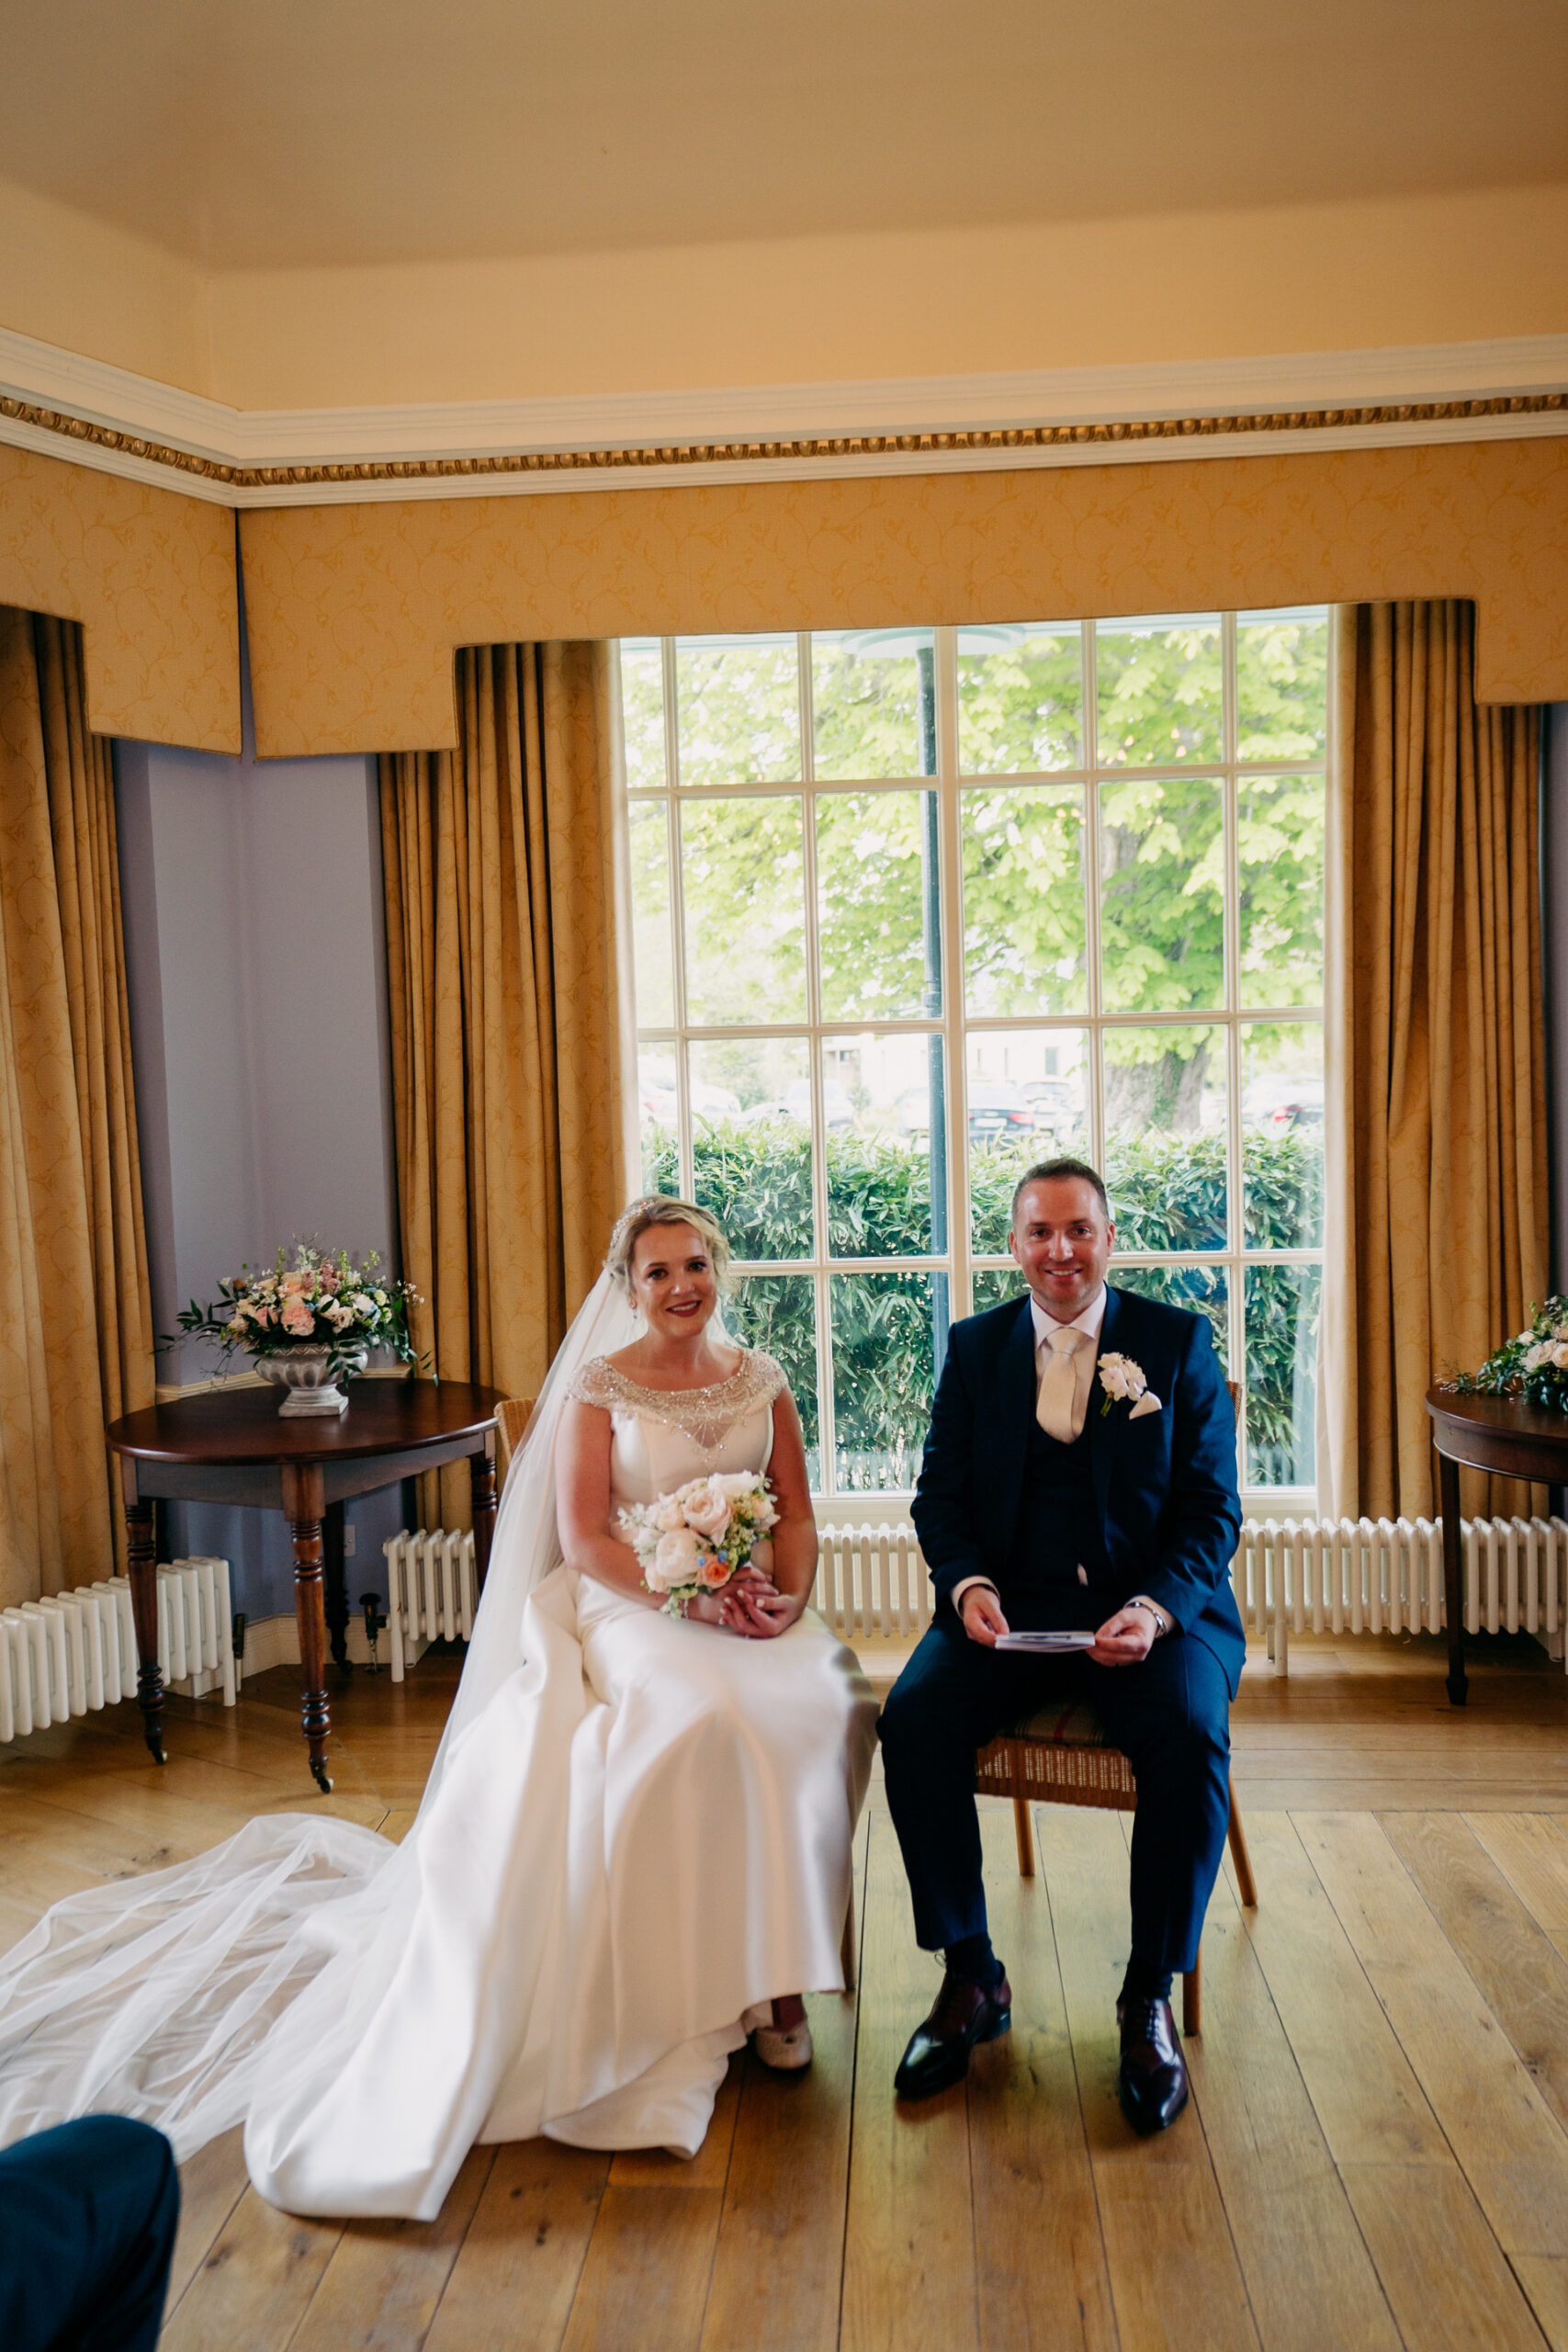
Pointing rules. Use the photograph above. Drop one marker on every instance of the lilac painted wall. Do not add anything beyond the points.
(254, 940)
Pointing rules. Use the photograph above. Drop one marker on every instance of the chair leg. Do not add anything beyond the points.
(1026, 1838)
(1193, 1996)
(847, 1947)
(1242, 1858)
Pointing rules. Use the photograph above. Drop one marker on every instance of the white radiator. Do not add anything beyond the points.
(1346, 1576)
(1290, 1575)
(430, 1591)
(60, 1657)
(872, 1582)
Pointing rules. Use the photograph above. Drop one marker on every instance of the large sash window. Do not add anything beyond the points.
(916, 908)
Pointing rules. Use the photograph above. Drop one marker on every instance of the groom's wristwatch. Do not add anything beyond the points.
(1162, 1622)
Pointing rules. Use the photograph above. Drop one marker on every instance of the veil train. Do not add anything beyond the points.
(169, 1996)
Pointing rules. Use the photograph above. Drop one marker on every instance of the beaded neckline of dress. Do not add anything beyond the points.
(704, 1414)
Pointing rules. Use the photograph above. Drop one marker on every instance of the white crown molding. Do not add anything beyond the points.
(65, 405)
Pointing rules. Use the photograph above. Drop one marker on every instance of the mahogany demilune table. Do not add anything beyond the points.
(232, 1446)
(1500, 1434)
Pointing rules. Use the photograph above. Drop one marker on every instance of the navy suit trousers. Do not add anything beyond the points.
(87, 2219)
(1170, 1716)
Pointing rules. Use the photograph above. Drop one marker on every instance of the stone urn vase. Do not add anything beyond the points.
(307, 1385)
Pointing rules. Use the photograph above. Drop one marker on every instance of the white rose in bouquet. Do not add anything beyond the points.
(678, 1560)
(709, 1514)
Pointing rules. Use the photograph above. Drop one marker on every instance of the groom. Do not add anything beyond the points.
(1050, 1499)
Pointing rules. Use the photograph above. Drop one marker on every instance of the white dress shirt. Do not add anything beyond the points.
(1083, 1360)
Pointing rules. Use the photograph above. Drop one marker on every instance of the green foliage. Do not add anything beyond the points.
(1023, 900)
(1158, 695)
(739, 712)
(1167, 1193)
(1021, 709)
(866, 708)
(870, 895)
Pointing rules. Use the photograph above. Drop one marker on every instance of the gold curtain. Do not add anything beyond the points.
(508, 940)
(1437, 1200)
(75, 1310)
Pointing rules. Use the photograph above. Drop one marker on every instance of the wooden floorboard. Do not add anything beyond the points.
(1510, 2146)
(1376, 2154)
(1041, 2276)
(1175, 2277)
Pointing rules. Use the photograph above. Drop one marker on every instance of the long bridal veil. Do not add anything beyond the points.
(168, 1997)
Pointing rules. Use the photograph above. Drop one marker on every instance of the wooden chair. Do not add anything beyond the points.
(511, 1417)
(1062, 1755)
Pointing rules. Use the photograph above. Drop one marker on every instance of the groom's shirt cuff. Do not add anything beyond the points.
(959, 1589)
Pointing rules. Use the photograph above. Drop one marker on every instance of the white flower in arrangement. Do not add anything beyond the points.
(339, 1314)
(1560, 1356)
(362, 1303)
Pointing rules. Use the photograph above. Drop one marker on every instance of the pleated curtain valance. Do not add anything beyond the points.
(508, 940)
(1435, 1050)
(76, 1311)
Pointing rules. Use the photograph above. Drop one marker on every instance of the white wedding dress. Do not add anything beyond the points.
(637, 1830)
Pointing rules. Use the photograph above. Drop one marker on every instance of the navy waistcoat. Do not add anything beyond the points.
(1058, 1526)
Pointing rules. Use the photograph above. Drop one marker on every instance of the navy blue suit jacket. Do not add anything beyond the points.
(1165, 1483)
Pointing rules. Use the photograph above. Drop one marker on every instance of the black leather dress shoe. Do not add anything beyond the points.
(1152, 2084)
(939, 2047)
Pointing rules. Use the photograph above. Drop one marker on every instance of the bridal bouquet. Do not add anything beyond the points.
(321, 1299)
(1533, 1365)
(694, 1539)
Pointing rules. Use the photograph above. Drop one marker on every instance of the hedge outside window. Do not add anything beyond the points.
(917, 907)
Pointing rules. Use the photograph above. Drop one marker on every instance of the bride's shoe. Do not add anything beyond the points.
(785, 2048)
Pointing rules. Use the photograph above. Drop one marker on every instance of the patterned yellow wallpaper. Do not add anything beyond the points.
(153, 578)
(354, 611)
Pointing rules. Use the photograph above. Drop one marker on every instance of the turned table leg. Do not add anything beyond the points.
(142, 1569)
(302, 1506)
(336, 1591)
(481, 1472)
(1453, 1578)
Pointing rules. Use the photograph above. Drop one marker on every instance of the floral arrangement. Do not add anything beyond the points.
(1533, 1365)
(322, 1300)
(694, 1539)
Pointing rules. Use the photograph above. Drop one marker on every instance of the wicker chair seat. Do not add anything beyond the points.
(1056, 1752)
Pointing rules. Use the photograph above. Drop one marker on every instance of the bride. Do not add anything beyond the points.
(634, 1844)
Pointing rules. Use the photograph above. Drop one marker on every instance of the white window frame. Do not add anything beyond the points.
(955, 1025)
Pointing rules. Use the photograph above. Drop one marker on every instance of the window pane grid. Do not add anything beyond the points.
(1147, 832)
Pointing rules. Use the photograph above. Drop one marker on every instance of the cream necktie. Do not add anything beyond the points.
(1055, 1407)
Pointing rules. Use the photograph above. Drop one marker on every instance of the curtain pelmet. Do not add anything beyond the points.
(507, 932)
(1435, 1053)
(75, 1316)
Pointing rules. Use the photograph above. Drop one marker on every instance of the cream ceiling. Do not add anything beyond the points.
(308, 132)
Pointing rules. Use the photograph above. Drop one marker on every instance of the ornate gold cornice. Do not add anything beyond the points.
(987, 444)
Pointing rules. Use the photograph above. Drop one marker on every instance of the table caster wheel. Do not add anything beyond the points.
(323, 1779)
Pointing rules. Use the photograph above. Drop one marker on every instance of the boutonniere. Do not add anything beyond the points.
(1120, 1377)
